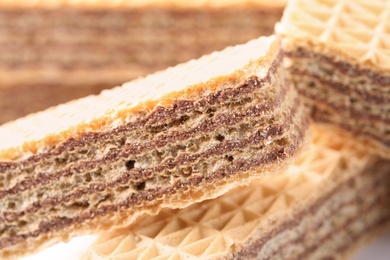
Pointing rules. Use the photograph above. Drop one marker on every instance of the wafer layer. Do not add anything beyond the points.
(92, 45)
(331, 199)
(340, 63)
(169, 140)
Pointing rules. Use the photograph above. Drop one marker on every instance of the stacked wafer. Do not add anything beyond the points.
(180, 136)
(339, 58)
(198, 130)
(57, 50)
(323, 207)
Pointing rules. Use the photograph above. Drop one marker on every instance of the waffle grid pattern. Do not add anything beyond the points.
(359, 29)
(210, 229)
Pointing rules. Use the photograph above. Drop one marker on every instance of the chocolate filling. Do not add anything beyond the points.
(349, 184)
(253, 249)
(140, 175)
(159, 122)
(381, 220)
(380, 223)
(118, 23)
(318, 116)
(352, 113)
(344, 89)
(324, 110)
(134, 149)
(350, 70)
(347, 223)
(122, 19)
(159, 114)
(156, 193)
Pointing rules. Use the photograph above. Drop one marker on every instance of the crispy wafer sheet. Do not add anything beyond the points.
(172, 139)
(358, 29)
(230, 224)
(338, 53)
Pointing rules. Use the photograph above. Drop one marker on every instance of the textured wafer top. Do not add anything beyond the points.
(102, 4)
(112, 107)
(357, 29)
(209, 230)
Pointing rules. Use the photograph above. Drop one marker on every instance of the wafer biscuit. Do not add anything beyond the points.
(180, 136)
(332, 200)
(339, 58)
(58, 50)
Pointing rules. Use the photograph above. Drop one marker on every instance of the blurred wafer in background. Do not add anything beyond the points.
(55, 51)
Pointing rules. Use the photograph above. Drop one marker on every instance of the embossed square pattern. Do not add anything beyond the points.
(359, 29)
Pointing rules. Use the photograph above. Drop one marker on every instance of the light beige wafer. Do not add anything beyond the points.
(332, 199)
(67, 49)
(339, 58)
(180, 136)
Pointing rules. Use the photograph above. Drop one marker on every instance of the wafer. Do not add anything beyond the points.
(177, 137)
(334, 199)
(339, 58)
(58, 50)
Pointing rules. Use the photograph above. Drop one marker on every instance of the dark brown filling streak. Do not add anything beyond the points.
(352, 113)
(318, 115)
(117, 21)
(381, 220)
(157, 193)
(343, 89)
(97, 56)
(121, 19)
(252, 250)
(350, 70)
(138, 175)
(157, 116)
(301, 240)
(350, 183)
(345, 225)
(177, 110)
(135, 148)
(128, 39)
